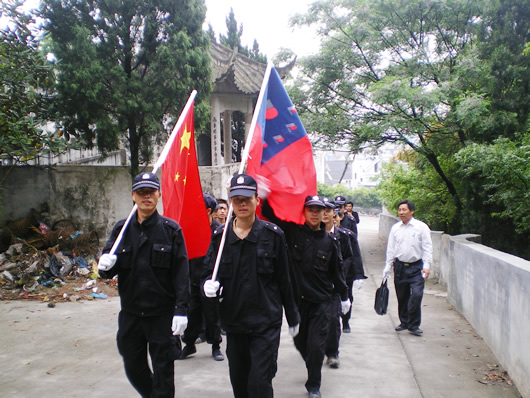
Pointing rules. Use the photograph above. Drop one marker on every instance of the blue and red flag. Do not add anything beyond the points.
(280, 151)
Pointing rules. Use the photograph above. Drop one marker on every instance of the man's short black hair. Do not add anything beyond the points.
(349, 203)
(222, 201)
(408, 203)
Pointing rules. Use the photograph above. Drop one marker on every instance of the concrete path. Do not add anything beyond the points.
(70, 351)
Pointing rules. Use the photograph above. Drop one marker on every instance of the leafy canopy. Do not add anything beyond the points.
(126, 68)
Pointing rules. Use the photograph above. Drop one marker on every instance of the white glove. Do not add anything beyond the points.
(293, 330)
(358, 284)
(345, 306)
(179, 325)
(386, 273)
(264, 186)
(210, 288)
(106, 261)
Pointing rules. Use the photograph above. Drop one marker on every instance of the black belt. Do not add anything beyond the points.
(409, 264)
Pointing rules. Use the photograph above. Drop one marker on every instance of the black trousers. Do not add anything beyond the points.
(199, 309)
(311, 340)
(346, 317)
(409, 284)
(332, 341)
(252, 362)
(136, 335)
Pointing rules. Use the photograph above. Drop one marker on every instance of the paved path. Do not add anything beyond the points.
(70, 351)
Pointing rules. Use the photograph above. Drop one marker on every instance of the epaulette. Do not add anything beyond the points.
(170, 223)
(272, 227)
(219, 230)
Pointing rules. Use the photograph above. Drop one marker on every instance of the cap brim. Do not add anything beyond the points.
(314, 203)
(146, 184)
(242, 192)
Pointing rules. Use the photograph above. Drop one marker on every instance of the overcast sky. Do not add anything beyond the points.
(267, 21)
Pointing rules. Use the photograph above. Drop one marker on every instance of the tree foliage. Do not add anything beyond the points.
(447, 79)
(383, 74)
(126, 68)
(26, 80)
(361, 197)
(232, 39)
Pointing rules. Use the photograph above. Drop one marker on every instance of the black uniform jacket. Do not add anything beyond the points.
(254, 275)
(356, 271)
(345, 250)
(349, 223)
(152, 267)
(197, 264)
(315, 259)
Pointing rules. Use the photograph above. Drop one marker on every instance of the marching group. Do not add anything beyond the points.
(262, 270)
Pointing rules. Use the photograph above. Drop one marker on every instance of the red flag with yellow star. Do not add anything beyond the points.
(182, 193)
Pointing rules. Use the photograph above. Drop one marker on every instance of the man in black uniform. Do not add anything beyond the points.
(199, 308)
(256, 287)
(317, 271)
(347, 221)
(354, 273)
(152, 268)
(348, 207)
(333, 339)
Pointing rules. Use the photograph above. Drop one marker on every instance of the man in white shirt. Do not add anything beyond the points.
(409, 251)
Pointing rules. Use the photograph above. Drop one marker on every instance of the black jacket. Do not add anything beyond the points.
(254, 275)
(316, 260)
(356, 269)
(349, 223)
(345, 250)
(197, 264)
(152, 267)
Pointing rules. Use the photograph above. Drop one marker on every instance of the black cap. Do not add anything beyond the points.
(242, 185)
(313, 200)
(328, 202)
(340, 200)
(146, 180)
(210, 202)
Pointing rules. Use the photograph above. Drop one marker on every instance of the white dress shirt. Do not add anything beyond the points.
(409, 243)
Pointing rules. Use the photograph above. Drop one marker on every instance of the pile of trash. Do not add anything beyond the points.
(57, 263)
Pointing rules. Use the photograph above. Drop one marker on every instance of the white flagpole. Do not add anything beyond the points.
(158, 164)
(244, 158)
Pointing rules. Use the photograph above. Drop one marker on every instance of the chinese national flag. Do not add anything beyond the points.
(182, 193)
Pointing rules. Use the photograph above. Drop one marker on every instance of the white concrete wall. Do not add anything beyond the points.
(491, 289)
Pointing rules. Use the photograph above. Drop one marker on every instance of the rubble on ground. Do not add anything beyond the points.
(57, 263)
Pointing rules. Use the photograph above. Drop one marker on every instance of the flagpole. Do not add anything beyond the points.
(244, 158)
(158, 164)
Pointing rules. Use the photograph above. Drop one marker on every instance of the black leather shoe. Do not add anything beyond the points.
(314, 394)
(400, 328)
(188, 350)
(217, 355)
(416, 332)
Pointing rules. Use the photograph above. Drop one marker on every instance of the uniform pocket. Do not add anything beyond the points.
(124, 255)
(322, 261)
(266, 259)
(161, 255)
(225, 266)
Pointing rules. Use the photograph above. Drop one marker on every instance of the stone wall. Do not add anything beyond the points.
(491, 289)
(93, 197)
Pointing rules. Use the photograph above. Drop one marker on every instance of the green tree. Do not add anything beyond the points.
(382, 75)
(232, 39)
(26, 79)
(126, 68)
